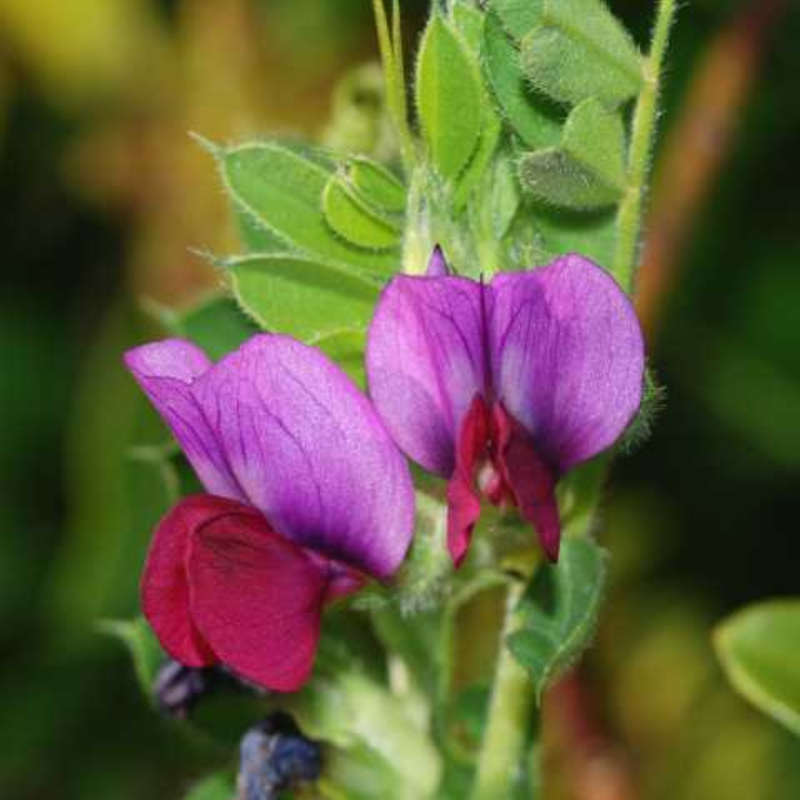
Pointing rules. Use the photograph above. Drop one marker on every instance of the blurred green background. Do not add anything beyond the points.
(103, 195)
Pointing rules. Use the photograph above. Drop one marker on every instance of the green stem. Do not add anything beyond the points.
(390, 44)
(629, 221)
(510, 712)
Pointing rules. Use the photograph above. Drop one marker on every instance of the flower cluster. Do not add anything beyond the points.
(500, 387)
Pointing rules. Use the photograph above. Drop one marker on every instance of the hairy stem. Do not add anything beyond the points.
(700, 142)
(629, 222)
(390, 44)
(510, 712)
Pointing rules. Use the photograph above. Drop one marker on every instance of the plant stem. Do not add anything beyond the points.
(390, 44)
(723, 80)
(510, 710)
(629, 221)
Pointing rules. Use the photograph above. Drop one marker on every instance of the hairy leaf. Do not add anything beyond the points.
(448, 98)
(468, 21)
(528, 114)
(518, 16)
(553, 176)
(578, 50)
(353, 220)
(281, 189)
(477, 166)
(376, 185)
(256, 238)
(301, 297)
(595, 137)
(588, 169)
(504, 196)
(559, 612)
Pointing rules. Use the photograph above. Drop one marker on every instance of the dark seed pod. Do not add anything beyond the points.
(274, 757)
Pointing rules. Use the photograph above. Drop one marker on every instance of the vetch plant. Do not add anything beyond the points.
(449, 281)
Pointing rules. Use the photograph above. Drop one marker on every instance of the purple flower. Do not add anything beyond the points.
(503, 388)
(307, 496)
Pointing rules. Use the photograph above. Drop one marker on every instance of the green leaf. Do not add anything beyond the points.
(593, 234)
(553, 176)
(468, 21)
(758, 650)
(518, 16)
(354, 221)
(532, 118)
(256, 238)
(469, 181)
(220, 786)
(579, 50)
(595, 138)
(300, 297)
(346, 348)
(215, 324)
(281, 189)
(377, 185)
(448, 98)
(504, 197)
(559, 612)
(143, 646)
(588, 169)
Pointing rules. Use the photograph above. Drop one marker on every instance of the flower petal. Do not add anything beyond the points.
(425, 363)
(166, 371)
(567, 357)
(463, 500)
(310, 452)
(257, 597)
(530, 479)
(165, 589)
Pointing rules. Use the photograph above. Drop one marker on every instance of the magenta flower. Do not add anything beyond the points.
(503, 388)
(308, 496)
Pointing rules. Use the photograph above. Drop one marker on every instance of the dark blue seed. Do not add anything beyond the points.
(274, 757)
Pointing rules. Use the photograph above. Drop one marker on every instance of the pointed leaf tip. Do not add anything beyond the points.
(210, 146)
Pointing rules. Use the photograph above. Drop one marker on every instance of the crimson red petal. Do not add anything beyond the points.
(164, 586)
(257, 597)
(463, 501)
(531, 480)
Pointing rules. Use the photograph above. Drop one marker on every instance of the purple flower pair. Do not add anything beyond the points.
(499, 387)
(504, 387)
